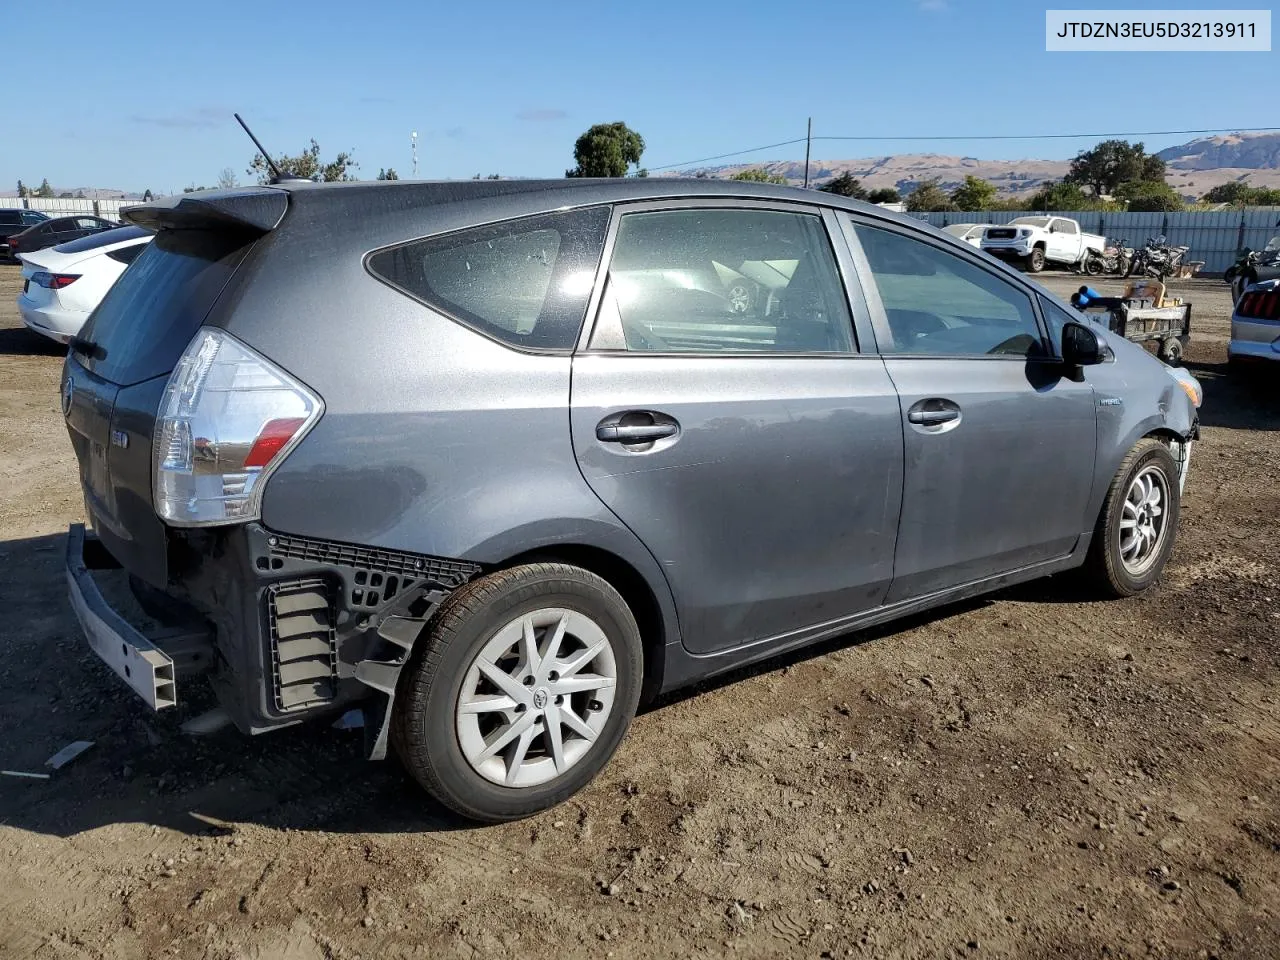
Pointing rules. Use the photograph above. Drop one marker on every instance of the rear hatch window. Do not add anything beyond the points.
(148, 317)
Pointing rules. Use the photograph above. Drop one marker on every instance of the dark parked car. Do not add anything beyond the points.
(498, 460)
(50, 233)
(15, 220)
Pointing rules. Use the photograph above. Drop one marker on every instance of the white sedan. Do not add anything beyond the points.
(970, 233)
(62, 285)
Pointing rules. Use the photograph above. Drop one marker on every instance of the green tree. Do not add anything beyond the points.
(758, 175)
(79, 194)
(307, 165)
(23, 189)
(66, 195)
(928, 196)
(44, 189)
(974, 194)
(388, 174)
(192, 188)
(845, 185)
(884, 195)
(1060, 195)
(1113, 162)
(1242, 195)
(606, 150)
(147, 195)
(1149, 196)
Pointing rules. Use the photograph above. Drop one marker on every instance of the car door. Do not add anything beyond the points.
(999, 440)
(1064, 240)
(721, 410)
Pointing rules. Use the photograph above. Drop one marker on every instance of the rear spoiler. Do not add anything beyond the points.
(257, 210)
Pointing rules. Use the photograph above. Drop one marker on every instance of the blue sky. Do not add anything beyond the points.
(139, 95)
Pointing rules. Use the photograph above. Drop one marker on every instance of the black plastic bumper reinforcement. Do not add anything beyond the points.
(304, 644)
(398, 593)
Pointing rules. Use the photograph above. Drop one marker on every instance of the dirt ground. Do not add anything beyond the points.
(1029, 775)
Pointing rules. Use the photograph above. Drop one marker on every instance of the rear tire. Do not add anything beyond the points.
(495, 642)
(1135, 532)
(1170, 351)
(1035, 260)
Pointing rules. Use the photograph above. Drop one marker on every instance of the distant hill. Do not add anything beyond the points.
(1193, 167)
(1247, 151)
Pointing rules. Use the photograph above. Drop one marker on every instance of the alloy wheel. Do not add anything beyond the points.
(536, 697)
(1142, 520)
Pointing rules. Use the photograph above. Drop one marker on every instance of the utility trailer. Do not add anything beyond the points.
(1142, 314)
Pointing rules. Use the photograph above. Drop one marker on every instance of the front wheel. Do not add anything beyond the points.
(1122, 266)
(1035, 260)
(524, 686)
(1139, 521)
(1093, 266)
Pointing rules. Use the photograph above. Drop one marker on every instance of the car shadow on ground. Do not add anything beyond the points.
(21, 342)
(1246, 399)
(144, 769)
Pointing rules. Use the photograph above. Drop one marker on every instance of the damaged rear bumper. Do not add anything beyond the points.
(292, 627)
(150, 670)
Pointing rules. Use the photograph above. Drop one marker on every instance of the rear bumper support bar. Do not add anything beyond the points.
(148, 670)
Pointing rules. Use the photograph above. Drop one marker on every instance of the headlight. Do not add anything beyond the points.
(1024, 233)
(1189, 384)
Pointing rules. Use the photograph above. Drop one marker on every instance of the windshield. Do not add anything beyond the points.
(1273, 245)
(1031, 221)
(959, 229)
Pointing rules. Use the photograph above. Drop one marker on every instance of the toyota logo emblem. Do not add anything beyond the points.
(68, 389)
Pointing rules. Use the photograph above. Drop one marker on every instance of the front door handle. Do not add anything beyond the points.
(933, 412)
(636, 427)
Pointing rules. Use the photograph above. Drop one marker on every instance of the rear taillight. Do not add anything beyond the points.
(53, 281)
(228, 418)
(1259, 305)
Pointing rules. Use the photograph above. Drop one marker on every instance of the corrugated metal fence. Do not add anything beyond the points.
(69, 206)
(1213, 236)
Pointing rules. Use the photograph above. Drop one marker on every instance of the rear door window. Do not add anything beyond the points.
(724, 281)
(150, 314)
(524, 282)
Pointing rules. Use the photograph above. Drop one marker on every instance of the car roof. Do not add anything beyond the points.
(567, 191)
(106, 238)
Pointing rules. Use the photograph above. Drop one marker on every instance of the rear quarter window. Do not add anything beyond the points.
(524, 282)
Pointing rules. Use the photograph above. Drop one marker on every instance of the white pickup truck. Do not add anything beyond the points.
(1035, 241)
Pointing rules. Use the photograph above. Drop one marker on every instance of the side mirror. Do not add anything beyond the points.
(1081, 346)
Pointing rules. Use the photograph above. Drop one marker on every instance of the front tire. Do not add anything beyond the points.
(1139, 521)
(1035, 260)
(523, 687)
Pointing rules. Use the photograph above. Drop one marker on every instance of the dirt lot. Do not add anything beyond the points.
(1026, 776)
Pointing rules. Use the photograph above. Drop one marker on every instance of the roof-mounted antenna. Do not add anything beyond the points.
(277, 175)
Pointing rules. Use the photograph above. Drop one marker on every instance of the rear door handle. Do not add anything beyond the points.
(933, 412)
(634, 433)
(636, 427)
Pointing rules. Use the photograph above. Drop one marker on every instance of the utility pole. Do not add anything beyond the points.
(413, 142)
(808, 142)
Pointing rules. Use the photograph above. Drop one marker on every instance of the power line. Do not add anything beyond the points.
(1030, 136)
(722, 156)
(1070, 136)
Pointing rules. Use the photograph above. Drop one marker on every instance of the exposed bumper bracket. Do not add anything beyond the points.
(148, 670)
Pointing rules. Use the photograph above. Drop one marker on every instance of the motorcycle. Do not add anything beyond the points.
(1250, 265)
(1114, 259)
(1157, 259)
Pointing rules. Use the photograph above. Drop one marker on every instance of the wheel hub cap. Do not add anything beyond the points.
(536, 697)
